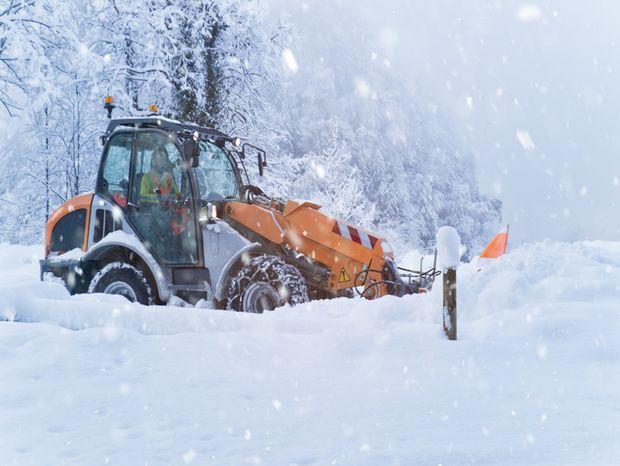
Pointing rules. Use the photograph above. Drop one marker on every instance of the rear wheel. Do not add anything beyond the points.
(264, 283)
(122, 279)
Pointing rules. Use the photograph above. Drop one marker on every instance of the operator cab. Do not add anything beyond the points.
(163, 174)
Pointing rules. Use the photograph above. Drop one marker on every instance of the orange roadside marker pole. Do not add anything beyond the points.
(498, 245)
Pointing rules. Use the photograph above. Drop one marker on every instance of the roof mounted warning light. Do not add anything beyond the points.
(108, 104)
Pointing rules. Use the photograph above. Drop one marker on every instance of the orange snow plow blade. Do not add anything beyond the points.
(497, 246)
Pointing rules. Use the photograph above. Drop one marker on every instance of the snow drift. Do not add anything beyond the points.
(533, 378)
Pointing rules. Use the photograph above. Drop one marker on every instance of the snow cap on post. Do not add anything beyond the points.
(448, 247)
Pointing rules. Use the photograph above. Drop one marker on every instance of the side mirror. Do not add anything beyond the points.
(191, 152)
(261, 155)
(262, 163)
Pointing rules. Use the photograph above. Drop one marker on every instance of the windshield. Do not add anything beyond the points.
(217, 177)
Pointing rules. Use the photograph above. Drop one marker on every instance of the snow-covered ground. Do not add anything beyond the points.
(533, 378)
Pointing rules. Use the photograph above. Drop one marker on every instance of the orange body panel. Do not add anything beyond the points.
(83, 201)
(304, 228)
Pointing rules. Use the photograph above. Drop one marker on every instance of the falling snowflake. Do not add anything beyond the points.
(529, 13)
(290, 61)
(525, 140)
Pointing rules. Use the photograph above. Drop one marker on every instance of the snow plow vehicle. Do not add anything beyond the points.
(173, 214)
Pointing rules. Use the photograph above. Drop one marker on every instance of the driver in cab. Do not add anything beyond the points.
(159, 190)
(158, 183)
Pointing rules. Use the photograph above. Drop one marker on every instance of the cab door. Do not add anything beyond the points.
(161, 204)
(113, 186)
(113, 180)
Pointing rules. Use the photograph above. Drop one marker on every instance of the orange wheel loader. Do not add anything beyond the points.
(173, 214)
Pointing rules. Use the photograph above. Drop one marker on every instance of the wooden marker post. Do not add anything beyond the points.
(449, 302)
(449, 255)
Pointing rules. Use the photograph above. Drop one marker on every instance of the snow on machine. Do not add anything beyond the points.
(172, 216)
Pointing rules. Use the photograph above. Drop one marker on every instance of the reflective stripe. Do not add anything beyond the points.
(344, 230)
(353, 234)
(355, 237)
(365, 239)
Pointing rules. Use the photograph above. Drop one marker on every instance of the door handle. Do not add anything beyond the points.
(133, 206)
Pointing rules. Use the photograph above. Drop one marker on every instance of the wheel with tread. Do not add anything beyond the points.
(264, 283)
(122, 279)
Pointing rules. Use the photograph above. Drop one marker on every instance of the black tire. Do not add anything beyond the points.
(264, 283)
(122, 279)
(345, 293)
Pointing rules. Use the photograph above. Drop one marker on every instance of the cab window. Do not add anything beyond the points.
(114, 181)
(216, 175)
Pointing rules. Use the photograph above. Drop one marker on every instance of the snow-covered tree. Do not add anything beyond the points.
(412, 172)
(338, 126)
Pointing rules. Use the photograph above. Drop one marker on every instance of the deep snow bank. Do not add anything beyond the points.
(519, 286)
(533, 378)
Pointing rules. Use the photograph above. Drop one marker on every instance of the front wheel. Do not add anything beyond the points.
(264, 283)
(122, 279)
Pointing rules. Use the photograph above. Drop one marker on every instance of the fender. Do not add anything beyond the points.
(122, 240)
(220, 287)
